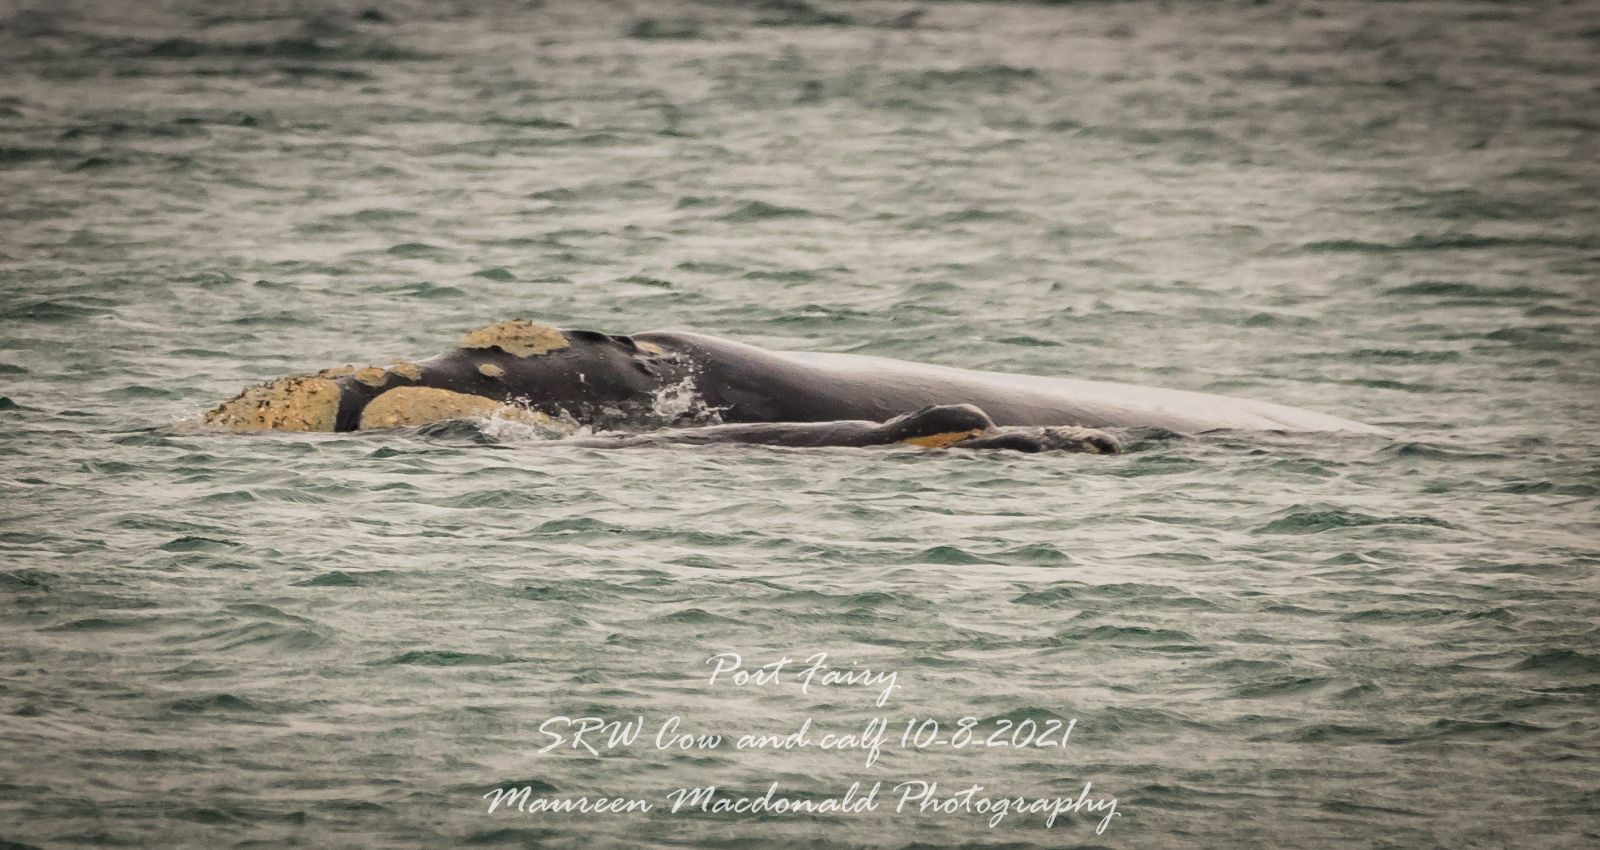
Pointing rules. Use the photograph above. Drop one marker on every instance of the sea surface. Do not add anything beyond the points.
(1386, 211)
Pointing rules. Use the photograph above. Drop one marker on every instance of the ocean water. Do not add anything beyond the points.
(1386, 211)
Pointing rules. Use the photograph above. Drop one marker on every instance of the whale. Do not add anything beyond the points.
(696, 388)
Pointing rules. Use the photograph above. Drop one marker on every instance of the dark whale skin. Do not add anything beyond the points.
(751, 384)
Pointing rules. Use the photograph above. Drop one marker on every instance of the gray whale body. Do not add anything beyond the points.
(610, 381)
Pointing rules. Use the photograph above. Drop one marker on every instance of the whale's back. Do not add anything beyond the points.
(759, 383)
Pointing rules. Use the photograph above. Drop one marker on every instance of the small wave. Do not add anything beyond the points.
(782, 275)
(993, 77)
(1029, 342)
(294, 47)
(1035, 713)
(1123, 720)
(1399, 355)
(189, 543)
(1330, 733)
(100, 624)
(337, 578)
(1384, 616)
(537, 122)
(799, 13)
(416, 249)
(1468, 291)
(577, 525)
(1537, 337)
(695, 616)
(1447, 242)
(539, 786)
(657, 29)
(23, 580)
(421, 289)
(763, 211)
(447, 658)
(1280, 687)
(10, 156)
(51, 311)
(1481, 730)
(1132, 636)
(1050, 598)
(1318, 521)
(1432, 450)
(223, 702)
(1563, 661)
(947, 555)
(564, 592)
(259, 635)
(259, 609)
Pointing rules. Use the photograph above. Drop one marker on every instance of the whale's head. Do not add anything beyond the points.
(516, 369)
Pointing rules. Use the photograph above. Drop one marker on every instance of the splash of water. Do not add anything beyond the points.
(506, 425)
(682, 404)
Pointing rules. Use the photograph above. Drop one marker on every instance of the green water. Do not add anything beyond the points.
(1383, 211)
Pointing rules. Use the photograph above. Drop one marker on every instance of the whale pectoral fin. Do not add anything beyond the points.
(936, 426)
(967, 426)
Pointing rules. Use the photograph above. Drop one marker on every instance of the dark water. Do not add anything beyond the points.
(1386, 211)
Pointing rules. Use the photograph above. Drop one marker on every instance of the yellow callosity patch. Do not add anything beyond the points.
(650, 347)
(407, 369)
(372, 376)
(408, 407)
(518, 336)
(336, 372)
(404, 407)
(490, 370)
(939, 441)
(302, 403)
